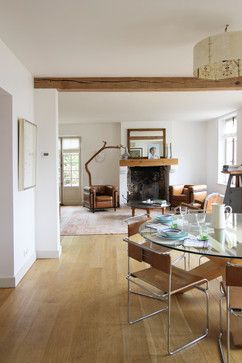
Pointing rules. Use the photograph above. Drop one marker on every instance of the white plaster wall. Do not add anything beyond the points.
(92, 137)
(18, 82)
(6, 187)
(47, 194)
(189, 146)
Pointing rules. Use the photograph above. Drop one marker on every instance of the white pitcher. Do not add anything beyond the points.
(219, 219)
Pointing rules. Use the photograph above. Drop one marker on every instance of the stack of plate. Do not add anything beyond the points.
(164, 218)
(172, 233)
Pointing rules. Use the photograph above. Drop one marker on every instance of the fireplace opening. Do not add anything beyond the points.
(148, 183)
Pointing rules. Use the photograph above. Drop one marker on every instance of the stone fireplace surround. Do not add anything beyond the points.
(141, 179)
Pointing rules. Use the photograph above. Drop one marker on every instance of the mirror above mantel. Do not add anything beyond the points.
(147, 143)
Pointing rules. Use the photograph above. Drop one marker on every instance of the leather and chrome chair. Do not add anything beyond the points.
(161, 281)
(134, 224)
(231, 289)
(101, 197)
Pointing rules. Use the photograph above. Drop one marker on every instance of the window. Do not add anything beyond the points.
(227, 145)
(71, 162)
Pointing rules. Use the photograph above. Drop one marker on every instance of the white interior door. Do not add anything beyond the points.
(70, 186)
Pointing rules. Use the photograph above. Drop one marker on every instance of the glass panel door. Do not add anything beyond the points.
(70, 171)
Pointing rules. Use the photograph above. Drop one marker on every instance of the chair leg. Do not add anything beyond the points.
(196, 340)
(228, 334)
(144, 316)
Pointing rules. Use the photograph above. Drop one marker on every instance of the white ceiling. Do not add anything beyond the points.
(116, 107)
(112, 37)
(120, 38)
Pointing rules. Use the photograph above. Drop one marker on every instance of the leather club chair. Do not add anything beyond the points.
(179, 194)
(198, 195)
(100, 197)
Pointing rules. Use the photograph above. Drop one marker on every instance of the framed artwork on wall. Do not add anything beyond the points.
(27, 139)
(136, 152)
(154, 150)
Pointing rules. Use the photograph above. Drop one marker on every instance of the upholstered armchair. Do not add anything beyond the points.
(179, 194)
(198, 195)
(100, 197)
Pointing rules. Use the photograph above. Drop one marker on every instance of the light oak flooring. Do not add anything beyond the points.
(75, 310)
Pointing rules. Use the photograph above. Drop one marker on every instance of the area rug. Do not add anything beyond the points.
(79, 220)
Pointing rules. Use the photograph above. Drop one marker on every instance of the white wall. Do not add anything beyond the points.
(189, 146)
(92, 137)
(18, 242)
(47, 193)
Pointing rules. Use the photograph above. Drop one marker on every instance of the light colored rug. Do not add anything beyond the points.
(79, 220)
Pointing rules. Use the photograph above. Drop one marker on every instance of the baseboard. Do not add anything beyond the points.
(49, 253)
(12, 281)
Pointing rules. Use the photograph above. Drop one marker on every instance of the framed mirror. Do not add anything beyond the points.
(146, 143)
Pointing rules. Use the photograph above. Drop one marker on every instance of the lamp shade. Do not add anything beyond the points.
(218, 57)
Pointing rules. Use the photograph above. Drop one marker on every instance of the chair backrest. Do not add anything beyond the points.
(134, 224)
(212, 198)
(176, 189)
(233, 275)
(141, 253)
(198, 193)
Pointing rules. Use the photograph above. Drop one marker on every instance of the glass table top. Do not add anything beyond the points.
(221, 243)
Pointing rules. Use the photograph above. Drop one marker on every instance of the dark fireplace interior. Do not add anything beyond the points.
(148, 182)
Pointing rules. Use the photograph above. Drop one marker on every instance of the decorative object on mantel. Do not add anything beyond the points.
(170, 151)
(125, 155)
(146, 143)
(218, 57)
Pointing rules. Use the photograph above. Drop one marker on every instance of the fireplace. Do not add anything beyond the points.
(147, 183)
(142, 179)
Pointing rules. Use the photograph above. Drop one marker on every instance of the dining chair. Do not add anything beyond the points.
(134, 224)
(231, 290)
(161, 281)
(205, 207)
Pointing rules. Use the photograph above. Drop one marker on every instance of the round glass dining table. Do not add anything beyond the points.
(225, 243)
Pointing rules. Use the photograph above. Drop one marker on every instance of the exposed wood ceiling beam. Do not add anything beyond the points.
(136, 84)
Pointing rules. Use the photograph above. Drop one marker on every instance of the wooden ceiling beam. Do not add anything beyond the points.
(136, 84)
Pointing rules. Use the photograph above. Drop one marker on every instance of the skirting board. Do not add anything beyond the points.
(6, 282)
(49, 254)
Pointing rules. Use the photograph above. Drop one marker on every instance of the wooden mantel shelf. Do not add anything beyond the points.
(148, 162)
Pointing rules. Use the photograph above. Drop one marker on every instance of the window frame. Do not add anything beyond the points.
(222, 146)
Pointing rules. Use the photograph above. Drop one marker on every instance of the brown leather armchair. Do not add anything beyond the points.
(100, 197)
(179, 194)
(198, 195)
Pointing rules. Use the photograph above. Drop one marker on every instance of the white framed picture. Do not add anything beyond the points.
(154, 150)
(27, 139)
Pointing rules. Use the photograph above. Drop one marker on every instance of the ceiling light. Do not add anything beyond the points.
(219, 56)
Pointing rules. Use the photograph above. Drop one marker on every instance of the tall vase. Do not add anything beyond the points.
(170, 151)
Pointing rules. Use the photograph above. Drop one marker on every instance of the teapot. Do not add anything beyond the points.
(219, 219)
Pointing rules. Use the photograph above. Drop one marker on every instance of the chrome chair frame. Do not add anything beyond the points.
(164, 297)
(229, 311)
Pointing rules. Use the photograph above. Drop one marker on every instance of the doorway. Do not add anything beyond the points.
(70, 170)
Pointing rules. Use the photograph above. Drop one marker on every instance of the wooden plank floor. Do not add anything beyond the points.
(75, 310)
